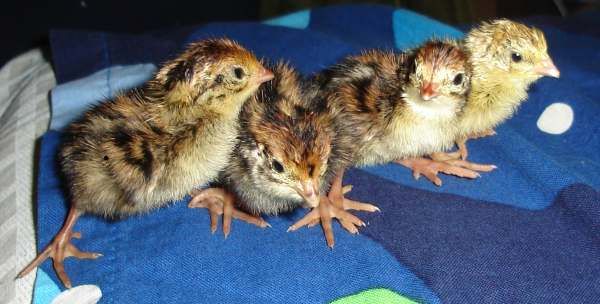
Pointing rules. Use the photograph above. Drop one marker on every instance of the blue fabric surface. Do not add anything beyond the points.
(473, 251)
(528, 232)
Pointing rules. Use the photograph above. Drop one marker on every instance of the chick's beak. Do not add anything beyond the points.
(263, 75)
(429, 91)
(309, 190)
(547, 68)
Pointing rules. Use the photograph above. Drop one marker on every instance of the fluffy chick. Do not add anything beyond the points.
(287, 153)
(152, 145)
(397, 106)
(506, 57)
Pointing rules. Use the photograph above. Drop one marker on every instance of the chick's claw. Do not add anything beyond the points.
(220, 202)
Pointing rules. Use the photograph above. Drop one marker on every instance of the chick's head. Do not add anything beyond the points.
(291, 155)
(511, 47)
(214, 70)
(439, 79)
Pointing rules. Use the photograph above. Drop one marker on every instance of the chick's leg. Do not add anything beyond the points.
(462, 152)
(220, 202)
(430, 168)
(61, 248)
(337, 198)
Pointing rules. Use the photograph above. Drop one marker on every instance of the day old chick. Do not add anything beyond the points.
(152, 145)
(396, 106)
(287, 153)
(506, 57)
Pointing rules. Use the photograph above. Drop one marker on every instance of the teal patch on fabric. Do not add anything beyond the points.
(45, 290)
(411, 29)
(298, 20)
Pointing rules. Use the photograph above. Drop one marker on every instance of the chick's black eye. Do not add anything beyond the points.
(458, 79)
(239, 73)
(277, 166)
(413, 67)
(516, 57)
(219, 78)
(311, 170)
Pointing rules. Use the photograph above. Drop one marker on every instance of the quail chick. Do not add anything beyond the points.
(506, 58)
(287, 153)
(396, 106)
(152, 145)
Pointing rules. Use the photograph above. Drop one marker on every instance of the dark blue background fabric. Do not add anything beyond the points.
(77, 54)
(480, 252)
(528, 232)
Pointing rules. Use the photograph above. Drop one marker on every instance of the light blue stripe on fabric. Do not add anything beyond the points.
(411, 29)
(297, 20)
(70, 99)
(45, 289)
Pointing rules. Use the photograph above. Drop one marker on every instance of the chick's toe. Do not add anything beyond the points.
(220, 202)
(430, 168)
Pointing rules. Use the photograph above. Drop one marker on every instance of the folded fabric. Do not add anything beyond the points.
(525, 233)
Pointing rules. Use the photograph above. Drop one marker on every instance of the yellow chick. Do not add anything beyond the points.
(506, 58)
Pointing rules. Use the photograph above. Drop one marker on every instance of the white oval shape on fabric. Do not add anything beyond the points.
(84, 294)
(556, 119)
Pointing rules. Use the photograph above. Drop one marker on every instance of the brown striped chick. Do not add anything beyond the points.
(397, 106)
(150, 146)
(286, 154)
(507, 57)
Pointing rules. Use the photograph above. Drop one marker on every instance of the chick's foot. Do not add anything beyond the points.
(61, 248)
(335, 208)
(220, 202)
(485, 133)
(430, 168)
(461, 153)
(324, 213)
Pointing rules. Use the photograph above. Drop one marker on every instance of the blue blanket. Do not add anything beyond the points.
(528, 232)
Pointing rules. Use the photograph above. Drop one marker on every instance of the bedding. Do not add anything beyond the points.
(24, 114)
(529, 232)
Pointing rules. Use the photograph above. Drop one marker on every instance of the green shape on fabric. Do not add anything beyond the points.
(375, 296)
